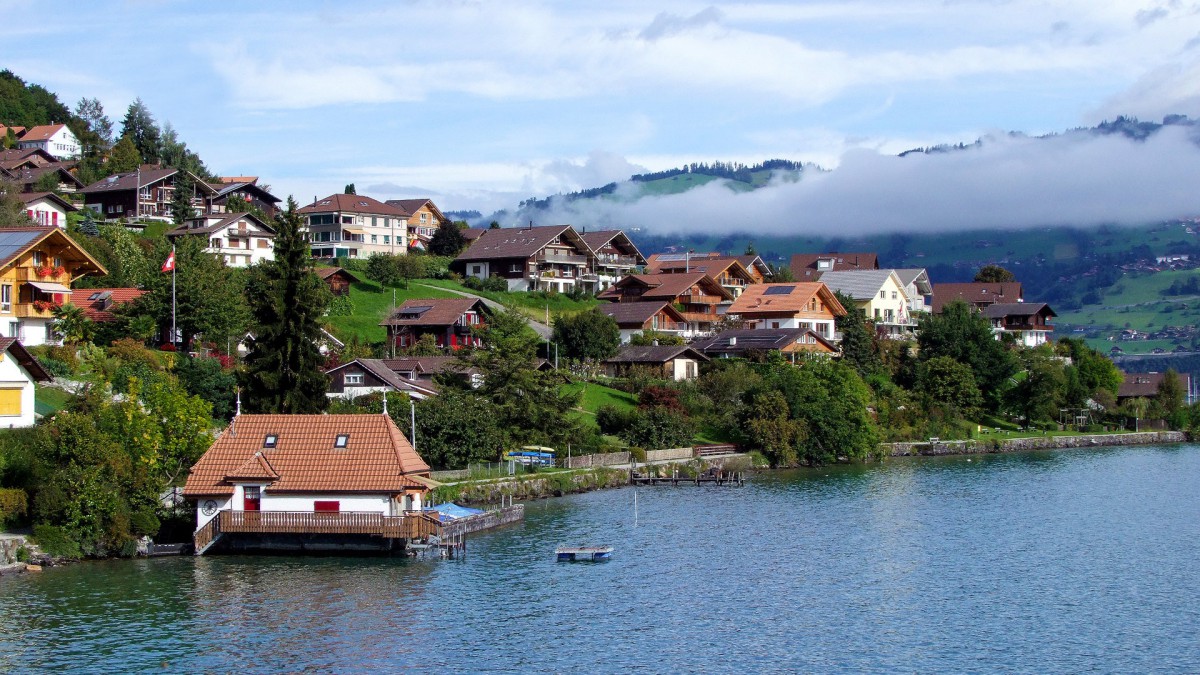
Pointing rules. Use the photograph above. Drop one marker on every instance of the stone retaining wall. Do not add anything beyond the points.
(975, 447)
(8, 549)
(484, 521)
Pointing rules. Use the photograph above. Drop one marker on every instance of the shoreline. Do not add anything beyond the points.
(1029, 443)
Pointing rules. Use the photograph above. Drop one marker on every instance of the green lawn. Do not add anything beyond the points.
(597, 395)
(49, 400)
(372, 303)
(534, 305)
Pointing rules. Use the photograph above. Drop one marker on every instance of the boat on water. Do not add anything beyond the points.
(580, 553)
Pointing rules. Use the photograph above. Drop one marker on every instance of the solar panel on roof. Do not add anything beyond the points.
(12, 242)
(779, 290)
(672, 257)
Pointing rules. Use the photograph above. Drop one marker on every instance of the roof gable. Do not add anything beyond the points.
(17, 241)
(434, 311)
(524, 242)
(786, 297)
(344, 203)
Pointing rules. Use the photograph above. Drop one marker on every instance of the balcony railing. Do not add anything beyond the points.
(561, 258)
(697, 299)
(617, 260)
(411, 525)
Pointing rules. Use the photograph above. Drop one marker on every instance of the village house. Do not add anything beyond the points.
(697, 297)
(545, 258)
(881, 297)
(37, 267)
(19, 370)
(47, 208)
(367, 376)
(354, 226)
(918, 288)
(1027, 322)
(451, 321)
(309, 482)
(613, 256)
(634, 318)
(246, 188)
(672, 362)
(805, 305)
(144, 195)
(240, 239)
(745, 342)
(53, 139)
(26, 168)
(423, 369)
(423, 219)
(98, 303)
(729, 272)
(979, 295)
(810, 266)
(337, 279)
(1145, 385)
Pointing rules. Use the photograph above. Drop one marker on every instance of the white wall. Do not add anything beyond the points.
(304, 503)
(13, 376)
(45, 212)
(223, 504)
(794, 322)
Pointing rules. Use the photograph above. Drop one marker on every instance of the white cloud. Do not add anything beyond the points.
(1007, 182)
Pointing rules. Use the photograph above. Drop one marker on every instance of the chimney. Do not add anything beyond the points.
(733, 342)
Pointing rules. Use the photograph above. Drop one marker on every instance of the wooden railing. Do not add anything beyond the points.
(411, 525)
(205, 535)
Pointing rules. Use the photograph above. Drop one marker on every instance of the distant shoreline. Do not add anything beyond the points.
(1029, 443)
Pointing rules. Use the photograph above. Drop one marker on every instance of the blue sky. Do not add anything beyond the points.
(481, 104)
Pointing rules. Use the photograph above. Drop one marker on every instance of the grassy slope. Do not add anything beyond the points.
(1137, 302)
(534, 306)
(49, 400)
(372, 303)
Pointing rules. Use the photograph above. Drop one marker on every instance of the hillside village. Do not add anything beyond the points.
(147, 295)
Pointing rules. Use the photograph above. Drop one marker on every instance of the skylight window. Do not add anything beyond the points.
(93, 296)
(779, 290)
(341, 440)
(270, 441)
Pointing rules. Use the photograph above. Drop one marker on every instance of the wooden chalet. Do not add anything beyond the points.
(310, 483)
(1145, 385)
(337, 279)
(545, 258)
(452, 322)
(696, 296)
(673, 362)
(727, 271)
(613, 256)
(247, 188)
(638, 317)
(144, 195)
(801, 305)
(979, 295)
(37, 267)
(423, 218)
(748, 342)
(367, 376)
(1027, 322)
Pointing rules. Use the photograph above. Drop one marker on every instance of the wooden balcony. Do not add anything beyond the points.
(698, 299)
(26, 310)
(411, 525)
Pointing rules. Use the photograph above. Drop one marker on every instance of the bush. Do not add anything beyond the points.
(341, 305)
(14, 505)
(56, 542)
(55, 367)
(491, 284)
(612, 420)
(144, 523)
(637, 454)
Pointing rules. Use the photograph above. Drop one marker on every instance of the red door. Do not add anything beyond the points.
(252, 499)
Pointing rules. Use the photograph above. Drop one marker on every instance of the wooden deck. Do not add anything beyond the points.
(410, 526)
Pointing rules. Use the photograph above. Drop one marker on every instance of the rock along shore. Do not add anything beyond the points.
(1025, 444)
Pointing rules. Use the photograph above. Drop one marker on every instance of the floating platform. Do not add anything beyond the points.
(580, 553)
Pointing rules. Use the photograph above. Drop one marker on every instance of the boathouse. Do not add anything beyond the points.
(310, 483)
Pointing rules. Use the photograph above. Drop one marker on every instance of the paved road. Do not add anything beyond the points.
(540, 328)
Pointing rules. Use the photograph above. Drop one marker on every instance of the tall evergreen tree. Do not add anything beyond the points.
(181, 199)
(140, 128)
(283, 369)
(124, 157)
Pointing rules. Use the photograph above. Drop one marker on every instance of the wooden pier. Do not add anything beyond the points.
(735, 478)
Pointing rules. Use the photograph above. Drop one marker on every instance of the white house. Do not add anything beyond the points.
(880, 295)
(18, 371)
(368, 376)
(47, 208)
(55, 139)
(316, 481)
(240, 238)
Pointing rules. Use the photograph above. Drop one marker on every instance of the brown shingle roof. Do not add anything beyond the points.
(377, 457)
(666, 286)
(520, 242)
(433, 311)
(621, 241)
(353, 204)
(655, 354)
(636, 314)
(804, 265)
(326, 272)
(712, 266)
(25, 359)
(975, 293)
(1146, 384)
(42, 133)
(999, 310)
(228, 220)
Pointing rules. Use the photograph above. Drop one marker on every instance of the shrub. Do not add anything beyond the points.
(144, 522)
(341, 305)
(637, 454)
(612, 420)
(14, 505)
(56, 541)
(55, 367)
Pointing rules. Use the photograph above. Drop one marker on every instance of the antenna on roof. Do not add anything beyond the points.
(385, 404)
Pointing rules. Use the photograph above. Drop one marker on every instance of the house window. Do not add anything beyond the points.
(327, 506)
(6, 298)
(341, 440)
(893, 295)
(347, 220)
(263, 243)
(476, 269)
(374, 222)
(214, 243)
(39, 258)
(514, 268)
(354, 378)
(270, 441)
(387, 239)
(774, 324)
(883, 295)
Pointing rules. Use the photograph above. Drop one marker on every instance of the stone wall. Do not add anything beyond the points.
(1030, 443)
(484, 521)
(8, 548)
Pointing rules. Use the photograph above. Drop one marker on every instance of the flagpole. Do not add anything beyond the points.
(173, 295)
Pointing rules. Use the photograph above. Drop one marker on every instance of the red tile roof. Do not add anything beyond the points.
(666, 286)
(804, 265)
(97, 307)
(377, 458)
(42, 133)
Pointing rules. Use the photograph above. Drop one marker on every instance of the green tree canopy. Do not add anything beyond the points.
(283, 369)
(448, 240)
(124, 156)
(587, 336)
(964, 335)
(946, 384)
(993, 274)
(139, 127)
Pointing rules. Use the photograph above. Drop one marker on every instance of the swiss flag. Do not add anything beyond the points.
(170, 264)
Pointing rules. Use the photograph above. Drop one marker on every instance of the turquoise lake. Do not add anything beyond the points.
(1046, 562)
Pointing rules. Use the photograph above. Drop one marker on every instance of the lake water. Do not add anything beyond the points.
(1058, 562)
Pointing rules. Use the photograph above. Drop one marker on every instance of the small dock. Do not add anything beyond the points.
(735, 479)
(583, 553)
